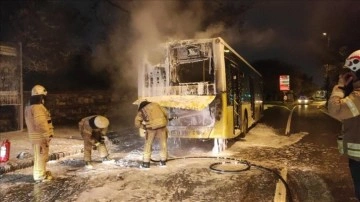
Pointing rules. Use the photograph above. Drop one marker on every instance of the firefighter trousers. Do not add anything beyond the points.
(88, 146)
(354, 170)
(160, 133)
(41, 156)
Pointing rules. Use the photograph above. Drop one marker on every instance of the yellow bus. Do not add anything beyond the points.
(213, 91)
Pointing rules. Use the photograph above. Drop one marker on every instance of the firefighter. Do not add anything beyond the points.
(40, 131)
(93, 129)
(344, 104)
(153, 119)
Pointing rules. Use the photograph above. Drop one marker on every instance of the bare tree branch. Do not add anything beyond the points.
(117, 6)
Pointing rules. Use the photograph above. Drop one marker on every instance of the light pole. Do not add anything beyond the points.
(325, 34)
(327, 67)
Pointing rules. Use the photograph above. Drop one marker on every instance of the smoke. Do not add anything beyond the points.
(155, 22)
(137, 32)
(152, 23)
(149, 23)
(251, 37)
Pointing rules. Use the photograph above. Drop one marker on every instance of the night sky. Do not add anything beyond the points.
(290, 31)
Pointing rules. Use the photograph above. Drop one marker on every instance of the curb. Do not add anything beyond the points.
(20, 164)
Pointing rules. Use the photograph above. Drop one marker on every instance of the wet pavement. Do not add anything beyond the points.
(316, 171)
(67, 141)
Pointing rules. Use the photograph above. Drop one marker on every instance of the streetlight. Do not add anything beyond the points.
(327, 68)
(327, 38)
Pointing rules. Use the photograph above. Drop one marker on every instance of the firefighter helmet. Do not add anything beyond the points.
(101, 122)
(143, 104)
(38, 90)
(353, 61)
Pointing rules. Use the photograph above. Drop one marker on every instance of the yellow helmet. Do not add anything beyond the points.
(101, 122)
(38, 90)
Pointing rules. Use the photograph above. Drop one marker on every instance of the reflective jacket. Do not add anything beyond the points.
(347, 110)
(152, 116)
(38, 122)
(87, 126)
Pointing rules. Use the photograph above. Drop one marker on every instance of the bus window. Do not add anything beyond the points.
(233, 82)
(245, 96)
(252, 96)
(192, 63)
(195, 72)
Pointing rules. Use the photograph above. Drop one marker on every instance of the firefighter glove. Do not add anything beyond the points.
(102, 140)
(347, 89)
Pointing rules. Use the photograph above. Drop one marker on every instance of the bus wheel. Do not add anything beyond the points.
(244, 126)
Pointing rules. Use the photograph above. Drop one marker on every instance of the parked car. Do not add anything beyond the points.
(303, 100)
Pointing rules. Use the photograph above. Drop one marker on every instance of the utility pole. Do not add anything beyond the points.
(327, 67)
(327, 39)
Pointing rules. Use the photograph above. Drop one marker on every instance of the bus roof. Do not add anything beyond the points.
(204, 40)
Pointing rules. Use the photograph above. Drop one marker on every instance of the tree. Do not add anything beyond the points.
(52, 34)
(271, 69)
(95, 38)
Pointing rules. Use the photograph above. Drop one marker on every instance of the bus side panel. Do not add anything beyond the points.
(224, 126)
(246, 107)
(219, 63)
(230, 123)
(246, 113)
(224, 123)
(258, 113)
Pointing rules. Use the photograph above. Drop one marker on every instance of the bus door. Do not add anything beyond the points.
(233, 77)
(252, 94)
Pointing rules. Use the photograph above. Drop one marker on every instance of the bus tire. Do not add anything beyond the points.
(245, 126)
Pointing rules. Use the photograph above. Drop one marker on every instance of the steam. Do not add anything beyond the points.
(156, 22)
(254, 38)
(149, 23)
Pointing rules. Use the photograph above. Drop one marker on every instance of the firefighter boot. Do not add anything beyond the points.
(162, 164)
(145, 165)
(46, 178)
(88, 165)
(108, 160)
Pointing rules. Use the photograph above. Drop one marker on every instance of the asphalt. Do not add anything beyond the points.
(67, 141)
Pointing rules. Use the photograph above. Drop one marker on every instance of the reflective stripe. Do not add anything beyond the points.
(36, 136)
(340, 145)
(353, 149)
(352, 106)
(353, 153)
(353, 146)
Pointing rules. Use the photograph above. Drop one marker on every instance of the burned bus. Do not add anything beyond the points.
(213, 91)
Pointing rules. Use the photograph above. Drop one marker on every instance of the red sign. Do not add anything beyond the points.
(284, 82)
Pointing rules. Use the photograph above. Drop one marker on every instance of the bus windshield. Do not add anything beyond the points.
(198, 71)
(192, 63)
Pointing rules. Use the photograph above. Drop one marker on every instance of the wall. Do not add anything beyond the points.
(67, 108)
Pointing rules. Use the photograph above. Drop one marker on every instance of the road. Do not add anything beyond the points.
(246, 171)
(317, 150)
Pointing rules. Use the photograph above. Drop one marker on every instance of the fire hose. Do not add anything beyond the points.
(247, 164)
